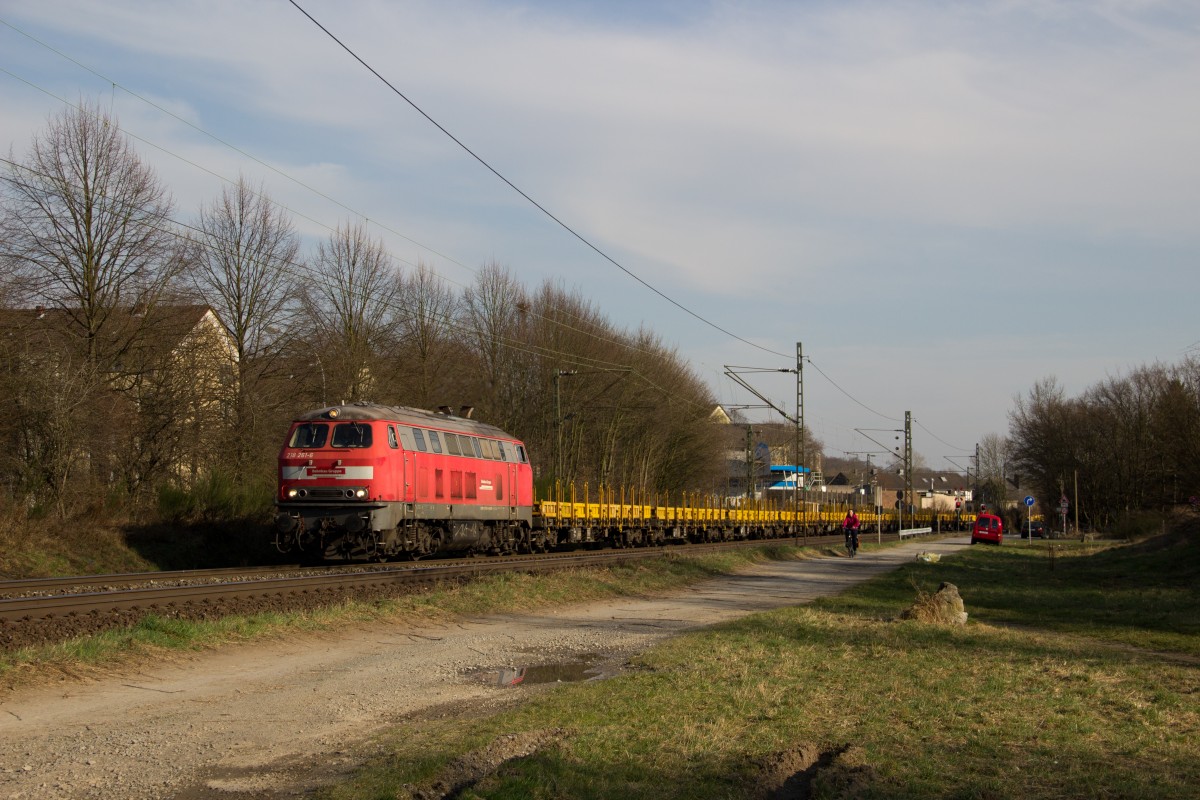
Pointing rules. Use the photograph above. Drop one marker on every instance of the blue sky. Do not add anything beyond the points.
(945, 202)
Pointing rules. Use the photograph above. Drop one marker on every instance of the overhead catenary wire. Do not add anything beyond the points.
(852, 397)
(940, 439)
(526, 196)
(326, 226)
(266, 165)
(302, 271)
(361, 215)
(115, 84)
(375, 221)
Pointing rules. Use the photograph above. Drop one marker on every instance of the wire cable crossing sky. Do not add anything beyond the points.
(521, 192)
(946, 204)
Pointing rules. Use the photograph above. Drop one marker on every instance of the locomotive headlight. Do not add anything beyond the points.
(360, 494)
(291, 494)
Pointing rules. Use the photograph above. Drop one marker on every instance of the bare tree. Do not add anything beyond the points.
(1176, 426)
(89, 224)
(1130, 441)
(493, 316)
(51, 396)
(242, 261)
(351, 301)
(425, 329)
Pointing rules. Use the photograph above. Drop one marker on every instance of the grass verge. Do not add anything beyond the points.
(1076, 678)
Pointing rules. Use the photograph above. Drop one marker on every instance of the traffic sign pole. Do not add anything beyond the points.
(1029, 501)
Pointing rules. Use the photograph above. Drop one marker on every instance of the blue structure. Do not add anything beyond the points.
(783, 478)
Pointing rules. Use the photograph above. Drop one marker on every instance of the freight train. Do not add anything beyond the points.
(368, 482)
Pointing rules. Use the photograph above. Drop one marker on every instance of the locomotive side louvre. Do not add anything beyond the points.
(371, 481)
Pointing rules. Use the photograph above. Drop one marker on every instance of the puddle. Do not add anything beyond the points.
(568, 672)
(562, 673)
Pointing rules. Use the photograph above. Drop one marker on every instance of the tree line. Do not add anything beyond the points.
(1129, 442)
(121, 397)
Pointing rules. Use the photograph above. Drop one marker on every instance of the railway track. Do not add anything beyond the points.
(77, 584)
(42, 610)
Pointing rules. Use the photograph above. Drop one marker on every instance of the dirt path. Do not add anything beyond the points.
(277, 719)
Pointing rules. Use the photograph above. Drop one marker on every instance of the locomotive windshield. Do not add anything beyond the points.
(351, 434)
(310, 435)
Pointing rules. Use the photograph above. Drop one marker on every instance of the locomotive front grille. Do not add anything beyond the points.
(330, 493)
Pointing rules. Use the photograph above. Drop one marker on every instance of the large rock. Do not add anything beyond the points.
(944, 607)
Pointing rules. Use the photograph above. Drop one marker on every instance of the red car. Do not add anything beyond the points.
(988, 528)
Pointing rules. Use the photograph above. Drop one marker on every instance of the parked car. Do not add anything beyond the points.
(1037, 528)
(988, 528)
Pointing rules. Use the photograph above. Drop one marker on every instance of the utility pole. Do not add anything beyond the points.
(975, 485)
(801, 446)
(735, 373)
(908, 461)
(749, 462)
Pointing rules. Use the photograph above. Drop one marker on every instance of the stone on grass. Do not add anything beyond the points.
(943, 607)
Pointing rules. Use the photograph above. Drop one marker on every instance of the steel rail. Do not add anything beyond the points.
(20, 585)
(250, 585)
(109, 582)
(24, 609)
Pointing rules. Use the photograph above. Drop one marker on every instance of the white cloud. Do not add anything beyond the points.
(771, 163)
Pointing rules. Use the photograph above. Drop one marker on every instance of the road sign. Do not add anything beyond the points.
(1029, 501)
(1063, 504)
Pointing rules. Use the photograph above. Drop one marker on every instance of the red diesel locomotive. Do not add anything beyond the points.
(367, 481)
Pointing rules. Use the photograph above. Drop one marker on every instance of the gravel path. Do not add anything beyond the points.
(276, 719)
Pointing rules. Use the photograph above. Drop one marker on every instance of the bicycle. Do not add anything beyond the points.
(851, 541)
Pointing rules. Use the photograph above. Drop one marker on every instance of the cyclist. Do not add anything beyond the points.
(850, 530)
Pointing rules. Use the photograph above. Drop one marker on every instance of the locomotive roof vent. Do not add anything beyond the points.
(466, 411)
(446, 410)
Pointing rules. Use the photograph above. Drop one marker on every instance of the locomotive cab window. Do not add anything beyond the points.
(503, 452)
(521, 454)
(351, 434)
(309, 436)
(393, 442)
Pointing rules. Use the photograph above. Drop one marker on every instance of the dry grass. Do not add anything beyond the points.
(865, 706)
